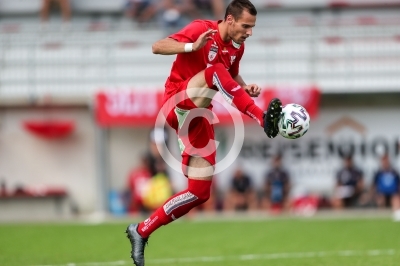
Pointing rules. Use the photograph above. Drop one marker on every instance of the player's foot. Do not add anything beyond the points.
(271, 118)
(138, 244)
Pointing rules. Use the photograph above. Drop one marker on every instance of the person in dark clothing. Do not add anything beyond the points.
(349, 185)
(276, 186)
(386, 185)
(241, 195)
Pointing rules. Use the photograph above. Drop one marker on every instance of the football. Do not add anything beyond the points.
(294, 121)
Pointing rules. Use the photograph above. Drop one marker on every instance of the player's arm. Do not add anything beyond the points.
(169, 46)
(240, 80)
(252, 89)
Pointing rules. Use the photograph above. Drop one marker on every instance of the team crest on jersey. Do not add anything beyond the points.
(213, 52)
(233, 59)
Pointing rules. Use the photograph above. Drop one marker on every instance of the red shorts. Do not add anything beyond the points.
(192, 125)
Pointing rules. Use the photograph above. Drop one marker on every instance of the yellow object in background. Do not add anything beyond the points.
(157, 191)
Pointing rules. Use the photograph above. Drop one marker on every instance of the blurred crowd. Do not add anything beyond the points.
(49, 6)
(171, 15)
(351, 191)
(168, 14)
(275, 196)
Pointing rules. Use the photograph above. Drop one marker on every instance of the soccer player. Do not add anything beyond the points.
(207, 61)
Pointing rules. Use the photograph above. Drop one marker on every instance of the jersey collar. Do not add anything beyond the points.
(236, 45)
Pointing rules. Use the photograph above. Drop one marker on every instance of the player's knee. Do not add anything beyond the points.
(218, 67)
(209, 73)
(201, 189)
(203, 196)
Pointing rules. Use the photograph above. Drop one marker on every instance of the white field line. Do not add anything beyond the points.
(247, 257)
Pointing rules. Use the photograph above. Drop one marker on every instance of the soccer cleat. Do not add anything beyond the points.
(138, 244)
(271, 118)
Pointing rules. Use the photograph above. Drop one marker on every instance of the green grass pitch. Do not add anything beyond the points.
(294, 242)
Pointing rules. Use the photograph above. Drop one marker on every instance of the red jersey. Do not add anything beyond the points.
(137, 182)
(187, 65)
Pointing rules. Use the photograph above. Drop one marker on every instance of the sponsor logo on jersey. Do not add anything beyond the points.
(225, 50)
(213, 52)
(178, 201)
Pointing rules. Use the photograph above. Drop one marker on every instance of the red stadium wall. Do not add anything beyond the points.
(133, 108)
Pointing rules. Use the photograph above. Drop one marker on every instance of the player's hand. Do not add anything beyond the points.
(253, 90)
(203, 39)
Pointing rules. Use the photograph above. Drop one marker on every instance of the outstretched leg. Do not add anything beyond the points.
(198, 192)
(217, 76)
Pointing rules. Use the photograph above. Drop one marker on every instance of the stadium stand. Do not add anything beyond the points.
(337, 49)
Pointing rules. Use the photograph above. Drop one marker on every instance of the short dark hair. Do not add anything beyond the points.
(236, 7)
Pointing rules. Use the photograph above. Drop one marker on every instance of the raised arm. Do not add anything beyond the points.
(169, 46)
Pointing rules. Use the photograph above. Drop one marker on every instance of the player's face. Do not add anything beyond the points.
(242, 28)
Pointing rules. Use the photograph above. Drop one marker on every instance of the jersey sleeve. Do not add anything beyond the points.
(234, 69)
(191, 32)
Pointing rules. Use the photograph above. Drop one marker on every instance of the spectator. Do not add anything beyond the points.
(64, 6)
(386, 187)
(177, 14)
(136, 185)
(141, 11)
(276, 187)
(157, 191)
(158, 136)
(349, 185)
(214, 7)
(241, 195)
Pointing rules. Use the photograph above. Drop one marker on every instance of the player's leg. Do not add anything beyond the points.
(219, 78)
(197, 166)
(198, 192)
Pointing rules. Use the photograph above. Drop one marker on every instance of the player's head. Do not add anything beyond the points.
(240, 16)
